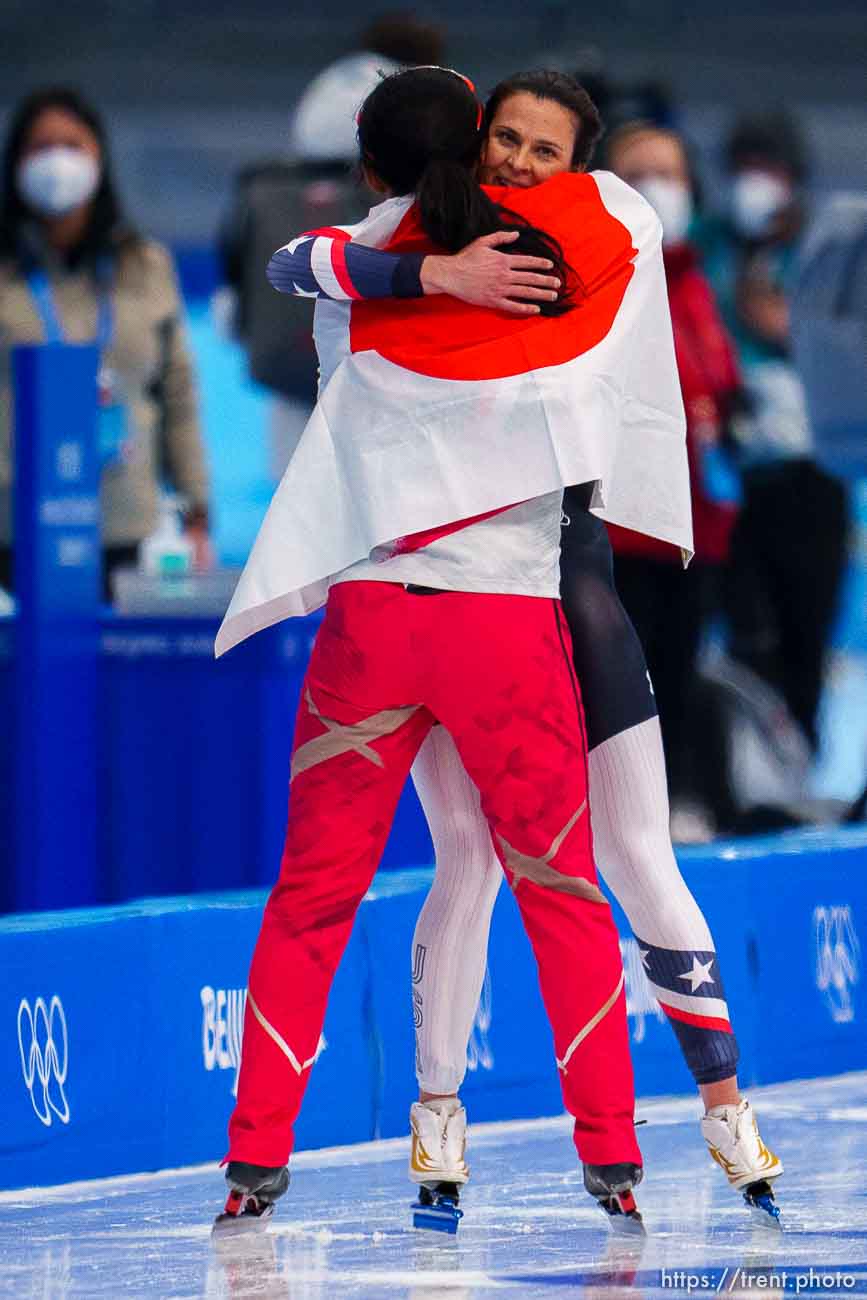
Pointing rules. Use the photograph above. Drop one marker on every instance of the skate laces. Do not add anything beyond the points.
(444, 1110)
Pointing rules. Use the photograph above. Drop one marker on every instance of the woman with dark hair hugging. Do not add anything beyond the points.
(441, 445)
(538, 125)
(435, 547)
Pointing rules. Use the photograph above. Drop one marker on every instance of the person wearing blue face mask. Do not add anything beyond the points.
(789, 545)
(73, 270)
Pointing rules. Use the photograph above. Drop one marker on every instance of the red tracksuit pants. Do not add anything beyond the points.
(496, 670)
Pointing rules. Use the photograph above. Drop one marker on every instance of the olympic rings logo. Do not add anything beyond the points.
(44, 1046)
(838, 959)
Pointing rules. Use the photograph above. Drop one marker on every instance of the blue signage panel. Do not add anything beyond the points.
(8, 881)
(809, 940)
(57, 570)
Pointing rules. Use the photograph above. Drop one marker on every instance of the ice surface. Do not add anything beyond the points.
(529, 1229)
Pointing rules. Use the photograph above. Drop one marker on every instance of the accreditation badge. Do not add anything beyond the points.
(112, 418)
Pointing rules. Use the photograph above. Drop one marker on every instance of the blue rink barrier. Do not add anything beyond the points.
(122, 1026)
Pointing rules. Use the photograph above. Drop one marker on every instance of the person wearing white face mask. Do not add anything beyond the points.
(667, 606)
(72, 269)
(789, 546)
(760, 202)
(671, 198)
(57, 180)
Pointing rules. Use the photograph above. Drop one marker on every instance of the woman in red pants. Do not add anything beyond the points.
(539, 124)
(480, 645)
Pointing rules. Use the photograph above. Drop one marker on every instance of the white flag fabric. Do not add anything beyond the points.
(431, 411)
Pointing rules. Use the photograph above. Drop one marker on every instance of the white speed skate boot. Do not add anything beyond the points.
(436, 1162)
(733, 1139)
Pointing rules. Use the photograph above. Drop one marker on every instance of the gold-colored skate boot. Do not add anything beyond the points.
(734, 1142)
(437, 1162)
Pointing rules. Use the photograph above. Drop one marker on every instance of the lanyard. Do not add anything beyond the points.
(40, 288)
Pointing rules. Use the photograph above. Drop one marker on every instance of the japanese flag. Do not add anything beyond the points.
(431, 411)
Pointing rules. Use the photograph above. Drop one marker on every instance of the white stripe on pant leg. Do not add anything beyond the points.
(453, 924)
(714, 1008)
(591, 1025)
(280, 1041)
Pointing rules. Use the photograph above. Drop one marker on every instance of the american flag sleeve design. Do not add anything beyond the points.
(325, 264)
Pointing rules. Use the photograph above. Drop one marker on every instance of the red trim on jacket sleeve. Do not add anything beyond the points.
(341, 272)
(328, 232)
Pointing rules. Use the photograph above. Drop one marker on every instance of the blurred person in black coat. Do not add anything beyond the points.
(318, 185)
(789, 546)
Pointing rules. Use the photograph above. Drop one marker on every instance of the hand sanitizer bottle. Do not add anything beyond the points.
(167, 553)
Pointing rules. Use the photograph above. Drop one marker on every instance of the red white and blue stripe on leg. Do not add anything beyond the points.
(688, 986)
(325, 263)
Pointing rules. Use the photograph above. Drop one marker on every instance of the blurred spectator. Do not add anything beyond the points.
(323, 127)
(319, 186)
(789, 546)
(829, 332)
(71, 268)
(621, 102)
(667, 605)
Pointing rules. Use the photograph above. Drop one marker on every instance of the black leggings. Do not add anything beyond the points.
(608, 657)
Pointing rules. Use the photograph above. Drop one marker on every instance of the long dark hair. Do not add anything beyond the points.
(563, 90)
(107, 229)
(419, 132)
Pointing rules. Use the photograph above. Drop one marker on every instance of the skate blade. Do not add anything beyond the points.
(769, 1222)
(623, 1215)
(765, 1217)
(238, 1225)
(626, 1225)
(436, 1218)
(764, 1211)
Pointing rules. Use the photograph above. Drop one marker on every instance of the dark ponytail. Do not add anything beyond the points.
(454, 211)
(419, 133)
